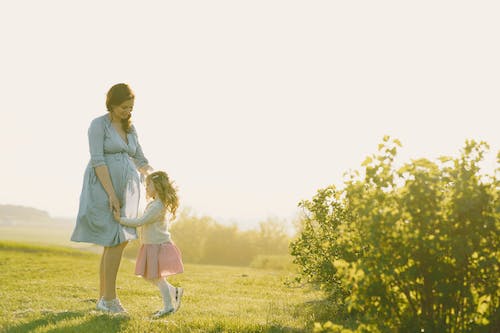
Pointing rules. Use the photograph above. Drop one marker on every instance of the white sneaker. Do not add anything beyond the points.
(101, 306)
(178, 297)
(113, 306)
(163, 312)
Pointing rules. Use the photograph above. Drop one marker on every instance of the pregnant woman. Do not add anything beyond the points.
(111, 188)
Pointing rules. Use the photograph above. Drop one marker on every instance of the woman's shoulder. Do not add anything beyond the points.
(133, 130)
(100, 121)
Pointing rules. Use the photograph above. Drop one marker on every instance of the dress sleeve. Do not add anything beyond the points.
(139, 159)
(96, 142)
(151, 214)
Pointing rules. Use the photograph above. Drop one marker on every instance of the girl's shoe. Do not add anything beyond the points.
(163, 312)
(178, 297)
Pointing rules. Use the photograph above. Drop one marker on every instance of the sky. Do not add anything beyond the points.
(250, 106)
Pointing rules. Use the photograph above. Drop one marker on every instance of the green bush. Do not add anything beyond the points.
(408, 249)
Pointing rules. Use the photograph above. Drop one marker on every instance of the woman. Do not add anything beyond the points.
(111, 188)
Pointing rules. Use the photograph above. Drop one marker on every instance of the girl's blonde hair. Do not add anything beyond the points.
(166, 191)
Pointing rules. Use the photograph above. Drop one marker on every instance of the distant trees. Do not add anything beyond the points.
(190, 233)
(414, 249)
(202, 240)
(13, 213)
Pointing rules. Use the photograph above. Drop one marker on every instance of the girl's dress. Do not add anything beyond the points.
(158, 256)
(95, 222)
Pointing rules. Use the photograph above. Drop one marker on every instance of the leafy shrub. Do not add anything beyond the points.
(409, 249)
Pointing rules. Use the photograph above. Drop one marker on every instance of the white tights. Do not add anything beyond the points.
(166, 290)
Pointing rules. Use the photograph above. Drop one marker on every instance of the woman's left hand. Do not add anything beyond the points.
(146, 170)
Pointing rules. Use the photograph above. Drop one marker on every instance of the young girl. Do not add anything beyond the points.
(158, 256)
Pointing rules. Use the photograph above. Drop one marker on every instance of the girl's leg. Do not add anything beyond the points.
(165, 292)
(111, 262)
(170, 287)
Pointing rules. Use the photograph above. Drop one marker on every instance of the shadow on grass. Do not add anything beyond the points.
(99, 322)
(323, 310)
(282, 329)
(222, 328)
(320, 311)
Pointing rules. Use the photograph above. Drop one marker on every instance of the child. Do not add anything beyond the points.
(158, 256)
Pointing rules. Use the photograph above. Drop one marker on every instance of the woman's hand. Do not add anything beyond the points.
(114, 206)
(116, 215)
(145, 170)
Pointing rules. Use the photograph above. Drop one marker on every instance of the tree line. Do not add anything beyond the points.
(202, 240)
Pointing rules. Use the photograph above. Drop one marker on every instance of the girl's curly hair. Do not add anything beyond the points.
(166, 191)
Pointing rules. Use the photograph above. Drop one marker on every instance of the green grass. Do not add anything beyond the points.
(54, 289)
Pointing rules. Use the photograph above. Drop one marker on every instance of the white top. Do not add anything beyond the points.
(154, 226)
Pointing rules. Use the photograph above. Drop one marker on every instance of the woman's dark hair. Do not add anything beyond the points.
(118, 94)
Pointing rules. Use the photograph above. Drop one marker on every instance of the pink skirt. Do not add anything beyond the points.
(158, 260)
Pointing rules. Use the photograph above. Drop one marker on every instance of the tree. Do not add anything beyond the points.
(190, 233)
(272, 238)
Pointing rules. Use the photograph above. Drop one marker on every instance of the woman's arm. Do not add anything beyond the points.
(96, 146)
(102, 174)
(140, 161)
(151, 214)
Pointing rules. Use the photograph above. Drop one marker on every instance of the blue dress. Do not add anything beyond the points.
(95, 222)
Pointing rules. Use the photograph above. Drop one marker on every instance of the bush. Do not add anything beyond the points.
(409, 249)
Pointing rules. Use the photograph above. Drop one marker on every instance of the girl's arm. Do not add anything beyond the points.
(151, 214)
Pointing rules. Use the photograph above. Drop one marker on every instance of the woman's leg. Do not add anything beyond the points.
(111, 262)
(101, 275)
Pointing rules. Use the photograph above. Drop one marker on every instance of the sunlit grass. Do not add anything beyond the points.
(54, 289)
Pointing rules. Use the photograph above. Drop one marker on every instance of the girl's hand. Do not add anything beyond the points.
(114, 206)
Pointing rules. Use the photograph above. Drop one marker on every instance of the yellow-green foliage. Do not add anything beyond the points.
(409, 249)
(203, 240)
(54, 289)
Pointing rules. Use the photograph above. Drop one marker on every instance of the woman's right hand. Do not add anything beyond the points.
(114, 206)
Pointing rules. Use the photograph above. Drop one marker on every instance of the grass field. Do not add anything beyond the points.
(54, 289)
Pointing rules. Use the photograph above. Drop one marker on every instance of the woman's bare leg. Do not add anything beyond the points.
(102, 286)
(111, 262)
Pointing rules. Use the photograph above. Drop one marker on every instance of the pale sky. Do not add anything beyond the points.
(251, 106)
